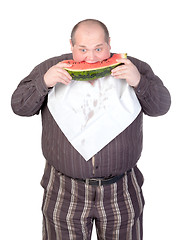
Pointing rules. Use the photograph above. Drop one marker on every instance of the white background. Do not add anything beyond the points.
(33, 31)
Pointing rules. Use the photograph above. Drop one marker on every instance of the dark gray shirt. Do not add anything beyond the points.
(120, 155)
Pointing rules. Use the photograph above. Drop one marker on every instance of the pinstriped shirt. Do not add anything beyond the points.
(121, 154)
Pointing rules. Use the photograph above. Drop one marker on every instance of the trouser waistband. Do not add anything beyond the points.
(102, 181)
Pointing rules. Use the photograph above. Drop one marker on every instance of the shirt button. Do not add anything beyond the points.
(96, 167)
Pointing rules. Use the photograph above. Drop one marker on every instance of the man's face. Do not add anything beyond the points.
(90, 45)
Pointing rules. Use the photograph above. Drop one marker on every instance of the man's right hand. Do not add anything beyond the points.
(57, 74)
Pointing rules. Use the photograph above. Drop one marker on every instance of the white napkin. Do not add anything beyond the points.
(91, 116)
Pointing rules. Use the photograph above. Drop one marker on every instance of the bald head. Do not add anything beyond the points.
(87, 26)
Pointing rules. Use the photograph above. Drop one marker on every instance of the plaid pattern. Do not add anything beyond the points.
(70, 207)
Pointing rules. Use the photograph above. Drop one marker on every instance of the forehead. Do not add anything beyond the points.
(89, 34)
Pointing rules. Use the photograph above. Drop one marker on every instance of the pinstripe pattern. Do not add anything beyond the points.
(47, 200)
(70, 207)
(118, 215)
(102, 213)
(130, 209)
(85, 213)
(57, 208)
(71, 210)
(137, 189)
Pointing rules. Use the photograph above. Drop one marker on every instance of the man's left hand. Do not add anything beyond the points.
(127, 71)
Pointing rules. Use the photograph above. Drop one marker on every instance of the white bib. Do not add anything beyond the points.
(90, 116)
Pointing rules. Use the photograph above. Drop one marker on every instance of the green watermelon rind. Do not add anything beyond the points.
(92, 74)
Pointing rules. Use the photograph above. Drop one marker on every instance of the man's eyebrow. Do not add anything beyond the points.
(98, 45)
(82, 46)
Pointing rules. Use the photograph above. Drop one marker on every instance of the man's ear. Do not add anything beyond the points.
(109, 43)
(71, 44)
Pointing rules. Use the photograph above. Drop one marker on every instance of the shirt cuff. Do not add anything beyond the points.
(41, 86)
(142, 87)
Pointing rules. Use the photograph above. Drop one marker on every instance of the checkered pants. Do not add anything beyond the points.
(70, 207)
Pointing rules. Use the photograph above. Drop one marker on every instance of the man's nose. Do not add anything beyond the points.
(91, 56)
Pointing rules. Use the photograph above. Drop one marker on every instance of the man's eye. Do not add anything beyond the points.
(83, 50)
(98, 49)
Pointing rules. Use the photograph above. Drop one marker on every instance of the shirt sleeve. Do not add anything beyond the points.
(154, 97)
(30, 94)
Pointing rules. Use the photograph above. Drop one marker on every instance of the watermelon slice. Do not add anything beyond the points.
(83, 71)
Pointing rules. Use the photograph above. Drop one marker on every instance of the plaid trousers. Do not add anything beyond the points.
(70, 207)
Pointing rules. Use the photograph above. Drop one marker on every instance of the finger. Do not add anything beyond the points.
(61, 77)
(119, 73)
(64, 82)
(119, 68)
(63, 65)
(120, 76)
(64, 73)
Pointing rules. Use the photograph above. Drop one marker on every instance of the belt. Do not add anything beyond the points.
(102, 181)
